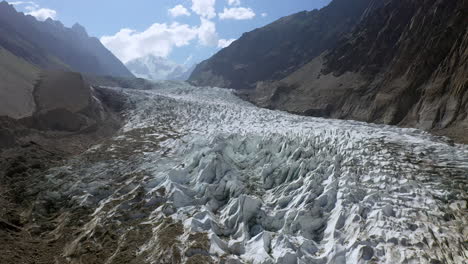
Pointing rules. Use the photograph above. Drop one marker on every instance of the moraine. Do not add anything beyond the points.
(197, 175)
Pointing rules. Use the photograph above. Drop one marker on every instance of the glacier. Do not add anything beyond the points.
(197, 175)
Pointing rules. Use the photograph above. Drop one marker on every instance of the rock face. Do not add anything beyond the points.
(274, 51)
(17, 78)
(52, 46)
(62, 107)
(404, 64)
(158, 68)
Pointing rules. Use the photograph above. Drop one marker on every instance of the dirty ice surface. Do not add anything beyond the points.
(197, 175)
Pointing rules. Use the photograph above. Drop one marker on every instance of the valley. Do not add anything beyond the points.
(196, 175)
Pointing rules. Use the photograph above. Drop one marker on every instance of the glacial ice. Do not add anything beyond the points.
(266, 186)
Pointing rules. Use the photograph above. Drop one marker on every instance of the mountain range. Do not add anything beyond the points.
(397, 62)
(158, 68)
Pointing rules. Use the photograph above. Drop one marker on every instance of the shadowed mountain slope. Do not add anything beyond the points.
(404, 64)
(278, 49)
(50, 45)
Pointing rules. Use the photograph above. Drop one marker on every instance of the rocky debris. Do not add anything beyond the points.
(276, 50)
(68, 117)
(404, 64)
(21, 168)
(34, 233)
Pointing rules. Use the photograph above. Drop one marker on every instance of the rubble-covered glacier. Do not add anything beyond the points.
(197, 175)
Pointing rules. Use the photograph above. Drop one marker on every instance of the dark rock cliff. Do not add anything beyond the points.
(405, 64)
(278, 49)
(50, 45)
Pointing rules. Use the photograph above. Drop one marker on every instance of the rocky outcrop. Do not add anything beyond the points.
(17, 78)
(405, 63)
(278, 49)
(50, 45)
(65, 109)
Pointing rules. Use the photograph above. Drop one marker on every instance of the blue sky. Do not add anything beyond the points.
(193, 31)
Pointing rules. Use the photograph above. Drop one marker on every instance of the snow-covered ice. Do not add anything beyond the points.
(263, 186)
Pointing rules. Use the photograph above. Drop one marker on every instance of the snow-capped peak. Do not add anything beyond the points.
(158, 68)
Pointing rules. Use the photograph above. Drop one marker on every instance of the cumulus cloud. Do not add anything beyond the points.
(159, 40)
(234, 2)
(34, 10)
(43, 14)
(24, 3)
(207, 34)
(264, 14)
(223, 43)
(237, 13)
(204, 8)
(179, 10)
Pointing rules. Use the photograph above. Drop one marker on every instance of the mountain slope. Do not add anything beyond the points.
(17, 79)
(405, 64)
(276, 50)
(50, 45)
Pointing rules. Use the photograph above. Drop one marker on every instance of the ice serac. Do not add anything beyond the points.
(197, 175)
(278, 49)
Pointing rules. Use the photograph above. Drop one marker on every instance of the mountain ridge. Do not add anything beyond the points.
(280, 48)
(51, 45)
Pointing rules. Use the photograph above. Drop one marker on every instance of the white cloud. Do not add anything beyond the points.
(223, 43)
(207, 35)
(43, 13)
(264, 14)
(179, 10)
(24, 3)
(204, 8)
(237, 13)
(34, 10)
(234, 2)
(159, 40)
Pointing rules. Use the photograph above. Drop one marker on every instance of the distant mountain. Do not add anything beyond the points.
(278, 49)
(50, 45)
(158, 68)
